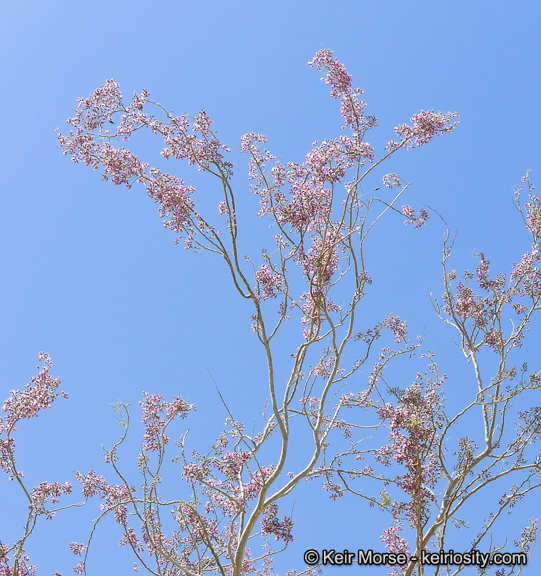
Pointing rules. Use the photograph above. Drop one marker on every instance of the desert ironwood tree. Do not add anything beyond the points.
(382, 440)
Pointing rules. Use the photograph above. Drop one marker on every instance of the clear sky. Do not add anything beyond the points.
(90, 276)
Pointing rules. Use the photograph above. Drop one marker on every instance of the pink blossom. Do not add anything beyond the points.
(77, 549)
(398, 328)
(390, 180)
(271, 525)
(426, 125)
(222, 207)
(269, 283)
(396, 544)
(340, 82)
(419, 220)
(44, 491)
(38, 394)
(153, 408)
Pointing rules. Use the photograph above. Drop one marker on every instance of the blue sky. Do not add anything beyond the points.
(90, 275)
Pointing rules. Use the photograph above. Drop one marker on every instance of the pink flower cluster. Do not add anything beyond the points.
(485, 309)
(307, 203)
(533, 213)
(321, 261)
(396, 544)
(414, 424)
(393, 323)
(89, 141)
(157, 413)
(117, 496)
(38, 394)
(419, 220)
(390, 180)
(269, 283)
(77, 549)
(280, 529)
(426, 125)
(182, 142)
(340, 82)
(20, 567)
(45, 491)
(324, 367)
(398, 328)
